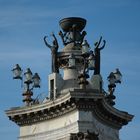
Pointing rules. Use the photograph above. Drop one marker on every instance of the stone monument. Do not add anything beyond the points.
(77, 108)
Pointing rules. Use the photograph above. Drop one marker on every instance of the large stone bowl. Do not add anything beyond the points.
(67, 23)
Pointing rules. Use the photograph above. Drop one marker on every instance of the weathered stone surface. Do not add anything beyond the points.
(72, 122)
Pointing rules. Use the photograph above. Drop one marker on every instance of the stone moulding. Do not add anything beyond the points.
(110, 115)
(88, 100)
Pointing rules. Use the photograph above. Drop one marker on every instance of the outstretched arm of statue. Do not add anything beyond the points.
(46, 43)
(97, 44)
(55, 40)
(104, 42)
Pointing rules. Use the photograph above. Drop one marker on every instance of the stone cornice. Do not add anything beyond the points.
(88, 94)
(40, 112)
(72, 94)
(99, 106)
(110, 115)
(88, 100)
(37, 107)
(116, 112)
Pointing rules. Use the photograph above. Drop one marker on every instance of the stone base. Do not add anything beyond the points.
(61, 128)
(96, 82)
(57, 134)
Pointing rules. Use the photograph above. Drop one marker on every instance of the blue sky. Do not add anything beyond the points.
(23, 24)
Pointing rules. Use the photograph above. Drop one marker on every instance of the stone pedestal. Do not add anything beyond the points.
(96, 82)
(55, 85)
(71, 123)
(70, 74)
(79, 112)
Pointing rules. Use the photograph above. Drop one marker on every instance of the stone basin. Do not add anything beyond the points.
(67, 23)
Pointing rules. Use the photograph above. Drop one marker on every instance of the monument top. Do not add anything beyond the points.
(68, 23)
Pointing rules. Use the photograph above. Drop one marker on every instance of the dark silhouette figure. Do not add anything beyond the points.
(54, 49)
(73, 35)
(97, 55)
